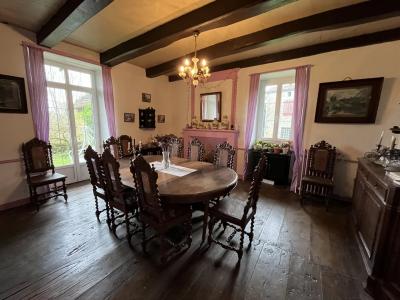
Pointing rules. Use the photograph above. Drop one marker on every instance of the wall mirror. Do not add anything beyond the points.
(210, 107)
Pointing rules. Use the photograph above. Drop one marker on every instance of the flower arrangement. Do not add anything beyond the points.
(272, 147)
(164, 141)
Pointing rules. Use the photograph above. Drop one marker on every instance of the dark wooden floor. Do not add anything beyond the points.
(63, 252)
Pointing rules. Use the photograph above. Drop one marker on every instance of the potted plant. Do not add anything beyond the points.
(285, 147)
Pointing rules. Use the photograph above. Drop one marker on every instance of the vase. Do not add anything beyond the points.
(165, 161)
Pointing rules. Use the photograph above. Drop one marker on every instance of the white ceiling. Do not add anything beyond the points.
(28, 14)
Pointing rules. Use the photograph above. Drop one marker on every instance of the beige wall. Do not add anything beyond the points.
(129, 82)
(351, 140)
(17, 128)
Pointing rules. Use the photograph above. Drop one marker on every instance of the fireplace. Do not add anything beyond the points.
(211, 138)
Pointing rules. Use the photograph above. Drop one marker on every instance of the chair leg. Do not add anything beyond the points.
(35, 199)
(188, 229)
(211, 224)
(251, 235)
(108, 214)
(240, 251)
(96, 203)
(144, 237)
(65, 190)
(163, 249)
(128, 231)
(113, 227)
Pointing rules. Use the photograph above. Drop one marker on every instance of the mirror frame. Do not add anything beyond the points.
(219, 100)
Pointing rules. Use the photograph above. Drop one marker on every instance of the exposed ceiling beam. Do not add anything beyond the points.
(213, 15)
(352, 42)
(67, 19)
(336, 18)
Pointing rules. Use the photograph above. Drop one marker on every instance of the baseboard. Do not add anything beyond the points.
(14, 204)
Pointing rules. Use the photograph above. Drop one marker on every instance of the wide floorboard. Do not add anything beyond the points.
(63, 252)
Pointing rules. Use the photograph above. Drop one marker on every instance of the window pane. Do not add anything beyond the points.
(60, 136)
(54, 74)
(79, 78)
(269, 111)
(286, 112)
(84, 123)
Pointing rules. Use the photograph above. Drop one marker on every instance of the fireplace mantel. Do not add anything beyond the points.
(210, 137)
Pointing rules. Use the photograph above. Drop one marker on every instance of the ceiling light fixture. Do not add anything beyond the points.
(191, 72)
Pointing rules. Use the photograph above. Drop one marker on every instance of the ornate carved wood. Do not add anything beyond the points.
(196, 150)
(317, 178)
(95, 167)
(126, 145)
(235, 214)
(177, 147)
(224, 155)
(38, 159)
(113, 145)
(120, 197)
(157, 214)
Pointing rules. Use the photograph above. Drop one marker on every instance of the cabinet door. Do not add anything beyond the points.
(369, 221)
(358, 198)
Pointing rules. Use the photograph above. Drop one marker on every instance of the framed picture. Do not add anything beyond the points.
(146, 97)
(161, 118)
(129, 117)
(12, 95)
(351, 101)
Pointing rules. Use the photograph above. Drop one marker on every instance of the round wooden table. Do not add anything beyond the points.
(206, 183)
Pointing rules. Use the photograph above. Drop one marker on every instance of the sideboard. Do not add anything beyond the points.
(376, 213)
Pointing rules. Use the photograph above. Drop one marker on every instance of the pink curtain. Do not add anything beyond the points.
(36, 77)
(109, 99)
(299, 110)
(251, 114)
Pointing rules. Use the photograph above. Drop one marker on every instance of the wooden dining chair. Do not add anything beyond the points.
(40, 173)
(120, 197)
(196, 150)
(126, 145)
(160, 216)
(176, 147)
(113, 145)
(236, 213)
(224, 155)
(317, 175)
(95, 167)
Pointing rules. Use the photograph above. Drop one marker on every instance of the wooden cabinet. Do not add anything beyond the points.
(277, 168)
(376, 213)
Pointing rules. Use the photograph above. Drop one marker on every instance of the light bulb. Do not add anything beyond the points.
(203, 62)
(187, 62)
(182, 69)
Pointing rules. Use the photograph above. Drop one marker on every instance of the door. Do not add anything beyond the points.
(73, 117)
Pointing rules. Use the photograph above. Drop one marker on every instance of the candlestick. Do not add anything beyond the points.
(393, 144)
(381, 137)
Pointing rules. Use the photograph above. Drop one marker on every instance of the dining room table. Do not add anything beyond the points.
(186, 182)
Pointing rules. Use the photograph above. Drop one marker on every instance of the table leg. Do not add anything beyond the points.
(205, 221)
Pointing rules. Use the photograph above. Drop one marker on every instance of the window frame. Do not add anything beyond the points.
(68, 87)
(279, 82)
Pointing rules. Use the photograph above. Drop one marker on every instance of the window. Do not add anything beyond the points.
(275, 106)
(72, 112)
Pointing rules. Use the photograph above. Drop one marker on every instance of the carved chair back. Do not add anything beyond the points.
(113, 145)
(320, 160)
(95, 167)
(145, 177)
(112, 176)
(176, 147)
(255, 187)
(38, 156)
(224, 154)
(196, 150)
(126, 145)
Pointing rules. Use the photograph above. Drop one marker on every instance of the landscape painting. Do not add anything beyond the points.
(12, 95)
(352, 101)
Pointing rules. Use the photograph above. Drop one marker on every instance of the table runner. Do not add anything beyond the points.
(175, 170)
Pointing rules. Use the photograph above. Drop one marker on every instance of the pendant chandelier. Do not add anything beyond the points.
(191, 72)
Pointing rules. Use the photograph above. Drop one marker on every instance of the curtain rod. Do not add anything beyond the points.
(280, 70)
(62, 53)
